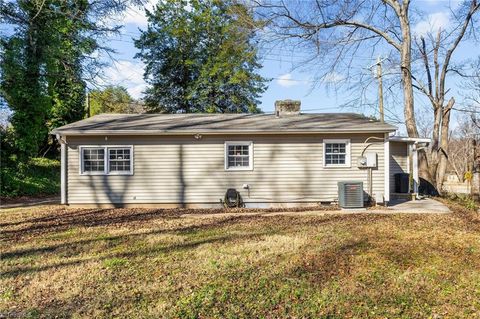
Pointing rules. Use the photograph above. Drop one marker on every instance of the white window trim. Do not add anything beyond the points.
(348, 162)
(250, 156)
(106, 164)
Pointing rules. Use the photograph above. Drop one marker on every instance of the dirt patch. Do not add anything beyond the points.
(28, 201)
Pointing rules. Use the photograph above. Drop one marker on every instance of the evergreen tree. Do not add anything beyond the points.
(200, 58)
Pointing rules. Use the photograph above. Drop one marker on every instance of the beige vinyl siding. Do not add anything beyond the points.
(398, 161)
(175, 169)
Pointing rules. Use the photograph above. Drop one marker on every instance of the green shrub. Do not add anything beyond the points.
(39, 176)
(465, 200)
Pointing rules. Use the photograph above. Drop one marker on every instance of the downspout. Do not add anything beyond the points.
(63, 169)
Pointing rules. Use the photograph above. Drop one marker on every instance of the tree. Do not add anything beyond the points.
(23, 84)
(335, 31)
(463, 146)
(113, 99)
(199, 58)
(436, 53)
(46, 61)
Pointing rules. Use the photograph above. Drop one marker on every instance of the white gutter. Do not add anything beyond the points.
(243, 132)
(409, 139)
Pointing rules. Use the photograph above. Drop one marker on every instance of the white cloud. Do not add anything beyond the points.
(136, 15)
(286, 80)
(128, 74)
(433, 22)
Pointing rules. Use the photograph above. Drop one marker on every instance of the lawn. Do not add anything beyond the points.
(147, 263)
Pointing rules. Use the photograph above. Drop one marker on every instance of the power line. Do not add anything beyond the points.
(466, 111)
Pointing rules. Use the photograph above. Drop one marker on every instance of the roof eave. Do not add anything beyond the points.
(216, 132)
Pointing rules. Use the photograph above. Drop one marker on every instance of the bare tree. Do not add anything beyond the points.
(463, 149)
(436, 53)
(338, 31)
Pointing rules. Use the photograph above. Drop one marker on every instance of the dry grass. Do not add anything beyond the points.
(126, 263)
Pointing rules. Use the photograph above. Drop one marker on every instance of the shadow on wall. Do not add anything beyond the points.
(181, 177)
(115, 197)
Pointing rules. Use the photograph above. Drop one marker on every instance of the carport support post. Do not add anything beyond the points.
(63, 170)
(415, 167)
(386, 151)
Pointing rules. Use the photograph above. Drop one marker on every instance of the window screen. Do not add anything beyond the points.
(335, 153)
(93, 160)
(119, 159)
(238, 156)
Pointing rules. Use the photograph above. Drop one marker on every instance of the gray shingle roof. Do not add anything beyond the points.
(153, 124)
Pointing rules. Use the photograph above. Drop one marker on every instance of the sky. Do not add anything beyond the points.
(289, 80)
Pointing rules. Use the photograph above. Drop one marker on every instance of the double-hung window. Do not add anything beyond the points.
(336, 153)
(106, 160)
(238, 155)
(119, 159)
(93, 160)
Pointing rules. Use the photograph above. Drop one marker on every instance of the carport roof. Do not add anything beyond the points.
(197, 123)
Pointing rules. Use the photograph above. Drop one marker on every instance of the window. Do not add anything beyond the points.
(103, 160)
(238, 155)
(93, 160)
(119, 159)
(336, 153)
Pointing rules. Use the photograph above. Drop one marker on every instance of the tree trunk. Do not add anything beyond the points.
(443, 149)
(407, 81)
(434, 148)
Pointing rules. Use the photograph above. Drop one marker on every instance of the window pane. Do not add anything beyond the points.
(238, 155)
(119, 160)
(335, 153)
(93, 159)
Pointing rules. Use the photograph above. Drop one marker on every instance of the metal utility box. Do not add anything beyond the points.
(350, 194)
(369, 160)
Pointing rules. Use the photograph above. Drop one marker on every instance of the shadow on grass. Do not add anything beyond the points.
(179, 230)
(329, 263)
(83, 218)
(133, 254)
(283, 223)
(62, 220)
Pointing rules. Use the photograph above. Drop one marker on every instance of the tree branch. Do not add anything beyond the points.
(473, 8)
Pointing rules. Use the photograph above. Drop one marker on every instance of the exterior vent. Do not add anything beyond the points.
(350, 194)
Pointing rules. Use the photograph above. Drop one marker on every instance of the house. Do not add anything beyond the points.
(190, 160)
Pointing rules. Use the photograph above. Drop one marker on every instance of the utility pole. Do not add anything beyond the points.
(379, 77)
(380, 90)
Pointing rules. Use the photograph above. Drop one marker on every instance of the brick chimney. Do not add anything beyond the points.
(287, 107)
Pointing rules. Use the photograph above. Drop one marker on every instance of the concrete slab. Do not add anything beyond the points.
(426, 205)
